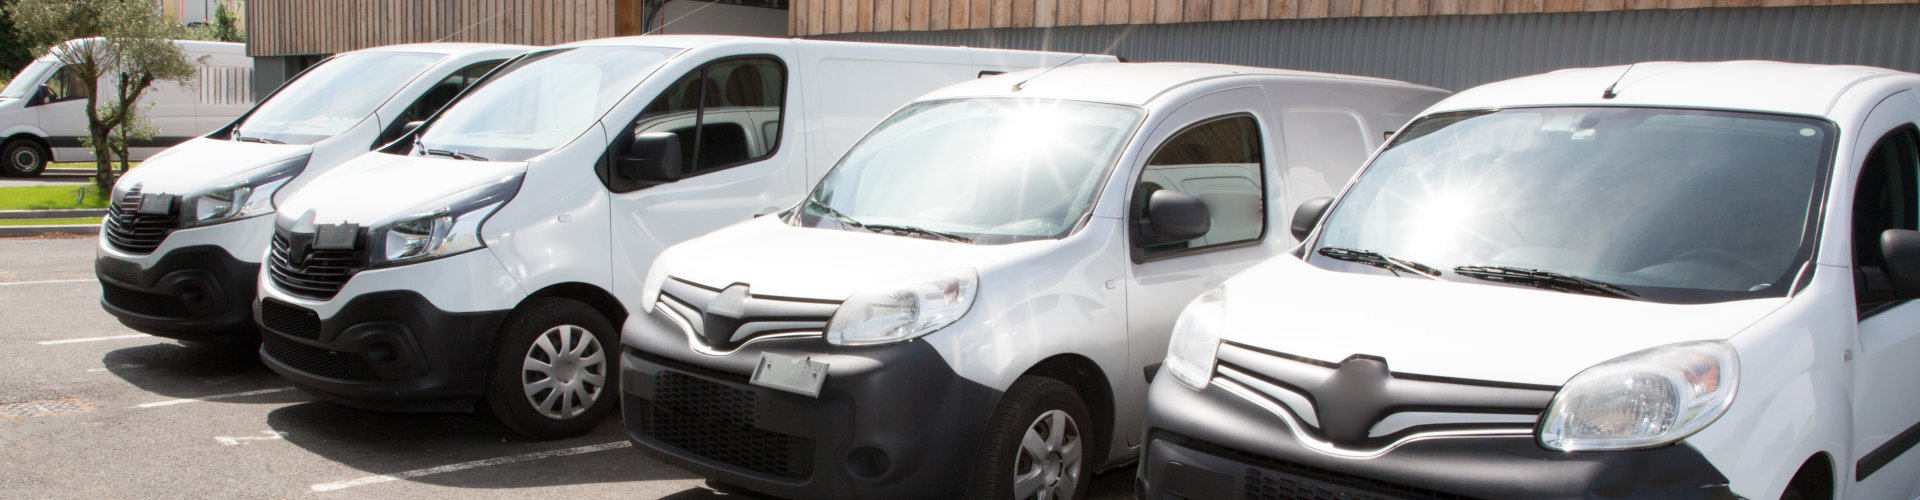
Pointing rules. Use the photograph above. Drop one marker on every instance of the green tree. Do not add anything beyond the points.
(16, 52)
(123, 44)
(226, 26)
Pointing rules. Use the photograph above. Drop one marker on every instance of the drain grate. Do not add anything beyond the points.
(44, 408)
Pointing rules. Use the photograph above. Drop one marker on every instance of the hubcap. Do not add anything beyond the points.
(564, 371)
(25, 159)
(1048, 466)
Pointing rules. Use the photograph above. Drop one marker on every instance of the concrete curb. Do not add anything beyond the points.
(52, 214)
(7, 231)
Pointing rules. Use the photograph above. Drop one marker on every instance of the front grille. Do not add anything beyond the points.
(319, 276)
(142, 303)
(118, 270)
(290, 319)
(133, 232)
(1263, 485)
(746, 316)
(315, 361)
(715, 421)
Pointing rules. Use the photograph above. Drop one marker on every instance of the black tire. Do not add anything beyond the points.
(23, 158)
(1002, 459)
(558, 321)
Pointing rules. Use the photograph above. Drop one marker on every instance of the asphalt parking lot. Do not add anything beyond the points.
(89, 408)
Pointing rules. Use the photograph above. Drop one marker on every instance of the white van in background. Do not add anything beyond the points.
(970, 301)
(43, 110)
(180, 251)
(490, 253)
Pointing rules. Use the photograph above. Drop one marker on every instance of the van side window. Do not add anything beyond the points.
(442, 92)
(65, 85)
(726, 113)
(1219, 162)
(1887, 197)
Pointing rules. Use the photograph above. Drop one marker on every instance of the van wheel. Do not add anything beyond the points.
(1036, 445)
(23, 158)
(553, 376)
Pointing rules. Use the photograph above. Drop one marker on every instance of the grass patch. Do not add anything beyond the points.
(50, 197)
(87, 165)
(50, 222)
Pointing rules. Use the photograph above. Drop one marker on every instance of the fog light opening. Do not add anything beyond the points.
(380, 352)
(867, 462)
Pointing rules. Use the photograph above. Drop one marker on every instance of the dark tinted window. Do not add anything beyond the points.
(1887, 197)
(725, 113)
(1217, 161)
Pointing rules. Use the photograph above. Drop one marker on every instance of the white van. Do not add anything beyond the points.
(490, 253)
(1656, 281)
(976, 290)
(43, 110)
(180, 252)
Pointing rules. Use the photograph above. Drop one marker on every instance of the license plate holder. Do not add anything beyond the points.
(796, 374)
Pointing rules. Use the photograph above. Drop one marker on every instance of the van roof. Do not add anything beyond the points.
(446, 48)
(1134, 84)
(665, 41)
(1765, 86)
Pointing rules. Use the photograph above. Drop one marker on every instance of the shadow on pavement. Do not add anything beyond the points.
(197, 370)
(388, 443)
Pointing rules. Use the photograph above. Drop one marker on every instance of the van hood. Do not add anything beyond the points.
(781, 260)
(1464, 330)
(374, 186)
(200, 162)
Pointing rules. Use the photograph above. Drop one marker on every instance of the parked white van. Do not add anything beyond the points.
(490, 253)
(179, 254)
(43, 110)
(1656, 281)
(971, 299)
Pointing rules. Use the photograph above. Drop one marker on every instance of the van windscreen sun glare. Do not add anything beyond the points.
(1666, 205)
(984, 171)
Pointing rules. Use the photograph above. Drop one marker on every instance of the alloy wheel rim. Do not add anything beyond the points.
(24, 159)
(1047, 466)
(564, 372)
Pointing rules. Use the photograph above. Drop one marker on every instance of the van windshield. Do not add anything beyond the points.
(1667, 205)
(540, 102)
(29, 79)
(984, 171)
(333, 97)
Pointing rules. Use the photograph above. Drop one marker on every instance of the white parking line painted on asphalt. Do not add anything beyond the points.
(215, 397)
(96, 339)
(469, 465)
(235, 440)
(47, 282)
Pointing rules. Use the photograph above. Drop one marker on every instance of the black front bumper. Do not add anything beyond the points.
(891, 421)
(198, 293)
(386, 351)
(1213, 444)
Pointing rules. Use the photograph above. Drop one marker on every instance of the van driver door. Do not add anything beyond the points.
(729, 117)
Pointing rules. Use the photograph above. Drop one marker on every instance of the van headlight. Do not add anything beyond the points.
(1644, 399)
(241, 196)
(903, 309)
(445, 227)
(1196, 339)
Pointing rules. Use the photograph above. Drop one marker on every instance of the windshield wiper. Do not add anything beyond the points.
(919, 231)
(835, 214)
(261, 140)
(1546, 279)
(450, 154)
(1383, 261)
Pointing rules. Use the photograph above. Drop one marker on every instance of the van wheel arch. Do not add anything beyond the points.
(46, 148)
(1086, 378)
(593, 296)
(1814, 480)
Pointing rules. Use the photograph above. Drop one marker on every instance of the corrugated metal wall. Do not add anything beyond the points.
(1457, 52)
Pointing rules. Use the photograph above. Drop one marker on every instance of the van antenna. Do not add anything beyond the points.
(470, 26)
(1023, 83)
(677, 19)
(1612, 91)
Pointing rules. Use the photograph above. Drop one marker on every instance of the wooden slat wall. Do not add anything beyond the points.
(296, 27)
(821, 17)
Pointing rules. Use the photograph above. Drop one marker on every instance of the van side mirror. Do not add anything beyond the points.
(1901, 248)
(1173, 217)
(409, 128)
(1308, 216)
(41, 95)
(653, 158)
